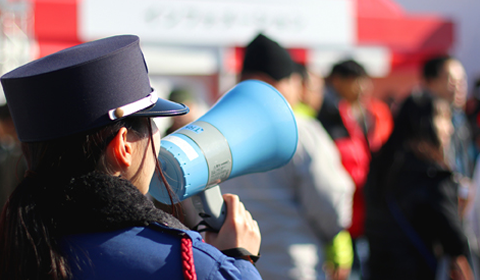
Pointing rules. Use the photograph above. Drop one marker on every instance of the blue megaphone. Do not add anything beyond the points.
(250, 129)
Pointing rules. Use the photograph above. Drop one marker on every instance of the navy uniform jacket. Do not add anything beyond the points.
(109, 230)
(151, 252)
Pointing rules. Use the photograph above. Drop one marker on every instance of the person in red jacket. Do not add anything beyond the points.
(359, 124)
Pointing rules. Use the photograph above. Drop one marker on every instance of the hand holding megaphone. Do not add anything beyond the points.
(250, 129)
(239, 230)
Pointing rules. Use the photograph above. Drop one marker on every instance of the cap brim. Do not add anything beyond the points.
(163, 108)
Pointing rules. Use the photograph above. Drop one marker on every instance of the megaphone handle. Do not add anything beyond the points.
(211, 207)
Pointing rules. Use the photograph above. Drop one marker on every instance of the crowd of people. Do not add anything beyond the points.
(370, 193)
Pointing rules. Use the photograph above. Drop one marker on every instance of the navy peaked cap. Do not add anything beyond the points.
(81, 88)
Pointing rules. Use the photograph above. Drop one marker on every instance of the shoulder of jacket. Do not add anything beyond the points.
(198, 243)
(193, 235)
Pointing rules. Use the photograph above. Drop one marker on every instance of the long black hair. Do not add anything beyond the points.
(29, 247)
(415, 122)
(414, 126)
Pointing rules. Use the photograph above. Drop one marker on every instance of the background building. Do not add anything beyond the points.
(199, 43)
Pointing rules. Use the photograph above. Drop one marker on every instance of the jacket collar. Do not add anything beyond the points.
(99, 202)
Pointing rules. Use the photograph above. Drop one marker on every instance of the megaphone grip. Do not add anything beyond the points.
(211, 207)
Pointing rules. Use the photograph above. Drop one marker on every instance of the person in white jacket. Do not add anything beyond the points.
(302, 208)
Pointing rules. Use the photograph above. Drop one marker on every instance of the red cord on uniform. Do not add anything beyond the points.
(187, 259)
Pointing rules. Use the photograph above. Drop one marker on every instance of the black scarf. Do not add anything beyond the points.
(98, 202)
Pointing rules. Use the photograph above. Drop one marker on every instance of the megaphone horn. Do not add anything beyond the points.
(250, 129)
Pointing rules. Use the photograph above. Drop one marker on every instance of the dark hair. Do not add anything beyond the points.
(29, 246)
(5, 112)
(414, 124)
(348, 69)
(301, 70)
(415, 121)
(433, 67)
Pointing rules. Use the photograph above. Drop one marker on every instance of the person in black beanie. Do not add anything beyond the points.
(303, 207)
(266, 60)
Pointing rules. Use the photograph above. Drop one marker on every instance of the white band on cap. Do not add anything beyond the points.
(133, 107)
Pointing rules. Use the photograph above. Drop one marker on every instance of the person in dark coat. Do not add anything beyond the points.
(412, 217)
(444, 77)
(83, 116)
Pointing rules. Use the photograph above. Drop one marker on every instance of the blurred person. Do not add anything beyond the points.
(185, 209)
(12, 164)
(311, 95)
(473, 112)
(359, 125)
(81, 212)
(412, 216)
(187, 97)
(444, 77)
(303, 207)
(473, 211)
(473, 218)
(339, 252)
